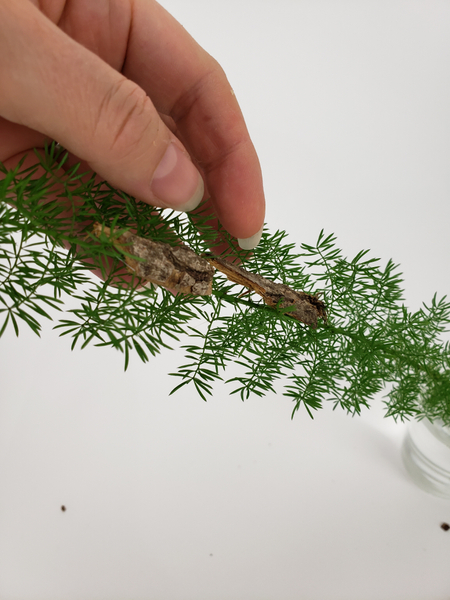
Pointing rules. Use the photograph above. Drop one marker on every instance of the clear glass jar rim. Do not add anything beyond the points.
(439, 430)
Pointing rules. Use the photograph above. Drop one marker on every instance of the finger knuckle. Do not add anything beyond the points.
(124, 117)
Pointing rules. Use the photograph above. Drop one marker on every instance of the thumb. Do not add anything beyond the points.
(54, 85)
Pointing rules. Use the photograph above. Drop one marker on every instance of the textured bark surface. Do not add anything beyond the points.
(305, 307)
(175, 267)
(180, 269)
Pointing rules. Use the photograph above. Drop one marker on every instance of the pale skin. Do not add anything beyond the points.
(116, 83)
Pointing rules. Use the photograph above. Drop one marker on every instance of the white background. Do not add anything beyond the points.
(348, 104)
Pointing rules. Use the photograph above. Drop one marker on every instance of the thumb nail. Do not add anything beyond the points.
(251, 242)
(176, 181)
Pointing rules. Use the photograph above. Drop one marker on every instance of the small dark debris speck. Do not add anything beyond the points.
(63, 508)
(445, 526)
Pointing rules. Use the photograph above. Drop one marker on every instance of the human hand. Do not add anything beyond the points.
(125, 89)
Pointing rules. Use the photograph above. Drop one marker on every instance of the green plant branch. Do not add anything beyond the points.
(369, 342)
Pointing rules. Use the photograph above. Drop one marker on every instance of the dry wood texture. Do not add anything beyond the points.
(305, 307)
(179, 268)
(175, 267)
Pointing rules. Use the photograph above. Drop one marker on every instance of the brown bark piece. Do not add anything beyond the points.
(177, 268)
(307, 308)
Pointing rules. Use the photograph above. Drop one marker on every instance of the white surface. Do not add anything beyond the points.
(174, 499)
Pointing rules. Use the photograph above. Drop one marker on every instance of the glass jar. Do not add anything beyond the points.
(426, 455)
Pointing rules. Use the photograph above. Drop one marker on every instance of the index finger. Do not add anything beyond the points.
(187, 84)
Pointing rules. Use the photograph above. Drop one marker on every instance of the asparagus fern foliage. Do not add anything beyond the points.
(370, 342)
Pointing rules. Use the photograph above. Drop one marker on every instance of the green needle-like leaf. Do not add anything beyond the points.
(370, 341)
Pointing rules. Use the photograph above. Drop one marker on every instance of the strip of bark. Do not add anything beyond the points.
(180, 269)
(177, 268)
(305, 308)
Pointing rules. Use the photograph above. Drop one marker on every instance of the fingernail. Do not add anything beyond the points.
(251, 242)
(176, 181)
